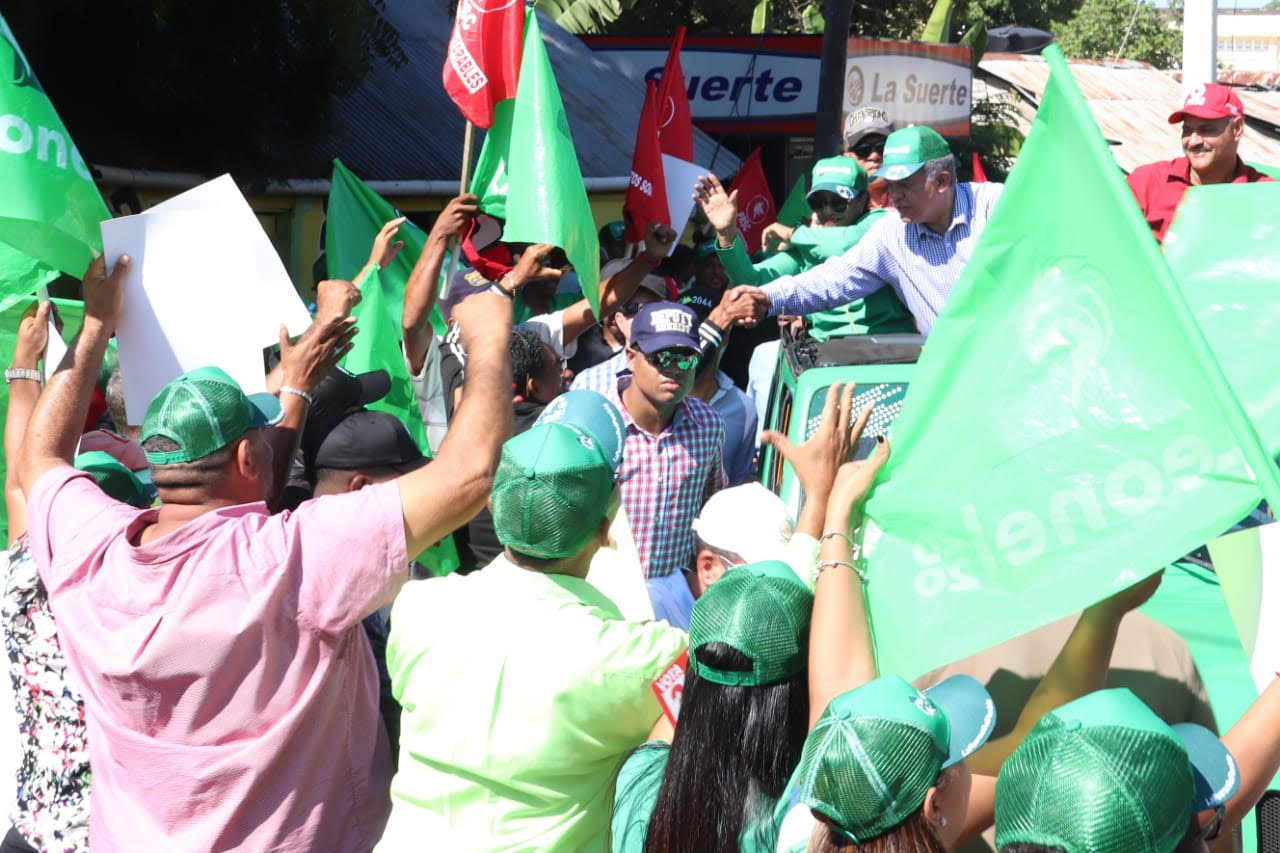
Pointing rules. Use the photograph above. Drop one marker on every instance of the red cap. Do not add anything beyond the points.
(1210, 101)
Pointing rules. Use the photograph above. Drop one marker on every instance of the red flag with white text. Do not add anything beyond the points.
(483, 58)
(675, 120)
(646, 199)
(756, 209)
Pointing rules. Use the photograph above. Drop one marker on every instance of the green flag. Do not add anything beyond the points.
(532, 153)
(1067, 431)
(377, 347)
(1224, 248)
(795, 209)
(489, 183)
(353, 218)
(50, 208)
(72, 314)
(20, 274)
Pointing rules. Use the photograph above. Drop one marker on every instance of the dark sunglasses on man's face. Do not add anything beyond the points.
(828, 201)
(679, 359)
(867, 147)
(631, 309)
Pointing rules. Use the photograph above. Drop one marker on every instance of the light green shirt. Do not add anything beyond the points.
(522, 693)
(880, 313)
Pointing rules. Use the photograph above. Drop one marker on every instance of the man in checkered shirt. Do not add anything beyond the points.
(919, 249)
(671, 461)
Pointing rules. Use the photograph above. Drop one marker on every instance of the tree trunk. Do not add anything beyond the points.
(827, 140)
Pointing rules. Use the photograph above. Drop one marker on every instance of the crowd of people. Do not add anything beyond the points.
(220, 637)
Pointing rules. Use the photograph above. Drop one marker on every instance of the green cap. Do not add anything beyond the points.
(1104, 773)
(906, 150)
(840, 175)
(551, 491)
(204, 410)
(762, 610)
(115, 480)
(876, 750)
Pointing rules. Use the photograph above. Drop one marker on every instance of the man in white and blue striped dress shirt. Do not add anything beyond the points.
(919, 248)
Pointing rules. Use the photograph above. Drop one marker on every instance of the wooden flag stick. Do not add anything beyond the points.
(468, 139)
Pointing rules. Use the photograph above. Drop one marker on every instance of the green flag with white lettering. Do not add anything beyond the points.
(1067, 431)
(49, 208)
(1224, 248)
(528, 169)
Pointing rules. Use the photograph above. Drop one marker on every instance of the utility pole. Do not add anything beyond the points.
(827, 140)
(1199, 43)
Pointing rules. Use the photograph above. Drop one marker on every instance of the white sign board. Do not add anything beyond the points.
(725, 83)
(680, 176)
(915, 83)
(206, 288)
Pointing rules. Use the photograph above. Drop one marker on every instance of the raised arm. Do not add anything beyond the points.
(58, 417)
(1080, 668)
(617, 289)
(1254, 742)
(423, 286)
(841, 653)
(440, 497)
(302, 365)
(816, 461)
(33, 333)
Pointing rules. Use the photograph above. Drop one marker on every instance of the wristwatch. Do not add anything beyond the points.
(12, 373)
(497, 287)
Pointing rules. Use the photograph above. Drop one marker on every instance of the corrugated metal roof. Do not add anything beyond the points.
(1131, 102)
(399, 124)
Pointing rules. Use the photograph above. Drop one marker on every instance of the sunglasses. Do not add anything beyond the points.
(866, 148)
(679, 359)
(830, 202)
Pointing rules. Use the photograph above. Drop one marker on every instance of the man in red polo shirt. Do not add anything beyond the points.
(1212, 123)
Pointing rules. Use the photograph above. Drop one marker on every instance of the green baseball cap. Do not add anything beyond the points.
(840, 175)
(552, 489)
(1104, 773)
(592, 413)
(906, 150)
(204, 410)
(115, 480)
(762, 610)
(876, 750)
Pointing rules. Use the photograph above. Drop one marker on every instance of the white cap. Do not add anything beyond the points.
(653, 283)
(747, 520)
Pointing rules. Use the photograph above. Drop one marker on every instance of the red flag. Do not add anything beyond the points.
(979, 173)
(483, 59)
(675, 123)
(756, 209)
(647, 195)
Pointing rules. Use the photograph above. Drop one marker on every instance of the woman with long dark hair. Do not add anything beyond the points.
(745, 707)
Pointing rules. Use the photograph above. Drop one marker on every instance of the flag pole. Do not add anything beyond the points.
(468, 140)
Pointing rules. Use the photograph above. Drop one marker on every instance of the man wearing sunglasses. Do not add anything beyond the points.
(865, 131)
(671, 460)
(918, 249)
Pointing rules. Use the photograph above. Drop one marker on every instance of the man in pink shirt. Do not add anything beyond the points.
(230, 694)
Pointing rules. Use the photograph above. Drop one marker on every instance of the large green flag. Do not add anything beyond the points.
(377, 347)
(1068, 430)
(530, 150)
(72, 314)
(1224, 248)
(50, 208)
